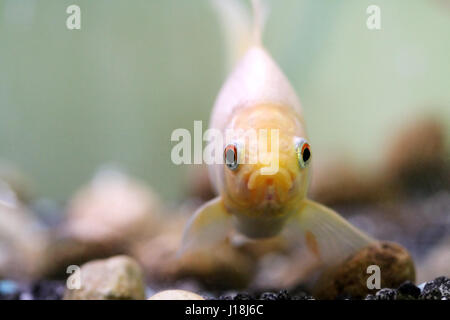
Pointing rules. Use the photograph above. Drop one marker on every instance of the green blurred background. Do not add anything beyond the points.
(114, 91)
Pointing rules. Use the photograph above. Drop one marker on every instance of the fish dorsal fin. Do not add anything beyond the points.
(256, 78)
(260, 12)
(240, 30)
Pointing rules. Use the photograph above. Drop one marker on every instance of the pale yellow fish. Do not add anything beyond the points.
(257, 95)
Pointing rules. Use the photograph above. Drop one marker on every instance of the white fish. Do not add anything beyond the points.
(257, 95)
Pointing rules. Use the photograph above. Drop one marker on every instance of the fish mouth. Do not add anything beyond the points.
(280, 180)
(270, 190)
(272, 199)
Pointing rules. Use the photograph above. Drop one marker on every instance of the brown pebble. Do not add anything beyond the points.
(113, 208)
(350, 277)
(416, 156)
(345, 182)
(116, 278)
(222, 267)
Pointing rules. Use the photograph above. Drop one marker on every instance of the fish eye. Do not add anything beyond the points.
(303, 151)
(230, 156)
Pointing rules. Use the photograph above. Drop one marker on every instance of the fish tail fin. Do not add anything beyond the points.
(239, 29)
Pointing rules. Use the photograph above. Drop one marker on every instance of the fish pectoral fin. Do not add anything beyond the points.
(210, 225)
(327, 236)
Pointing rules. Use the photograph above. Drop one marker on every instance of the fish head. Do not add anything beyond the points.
(266, 161)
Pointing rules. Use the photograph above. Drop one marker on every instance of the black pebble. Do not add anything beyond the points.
(387, 294)
(283, 295)
(431, 293)
(47, 290)
(243, 296)
(344, 297)
(408, 290)
(437, 289)
(10, 296)
(302, 297)
(268, 296)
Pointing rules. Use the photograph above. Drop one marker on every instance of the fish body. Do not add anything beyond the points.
(262, 196)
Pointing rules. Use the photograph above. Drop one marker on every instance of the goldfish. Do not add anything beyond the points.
(253, 200)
